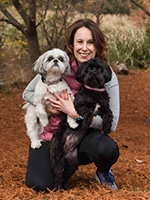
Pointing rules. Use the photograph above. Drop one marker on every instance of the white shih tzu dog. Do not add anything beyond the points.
(51, 65)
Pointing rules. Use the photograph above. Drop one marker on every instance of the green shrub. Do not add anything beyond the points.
(142, 57)
(123, 44)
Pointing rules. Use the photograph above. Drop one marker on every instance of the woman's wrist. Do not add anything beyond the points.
(72, 112)
(74, 115)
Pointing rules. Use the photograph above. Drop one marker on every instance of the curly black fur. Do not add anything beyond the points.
(63, 148)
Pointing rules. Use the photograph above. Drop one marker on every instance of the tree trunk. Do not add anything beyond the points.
(33, 46)
(28, 28)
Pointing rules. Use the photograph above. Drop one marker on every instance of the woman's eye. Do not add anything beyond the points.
(91, 42)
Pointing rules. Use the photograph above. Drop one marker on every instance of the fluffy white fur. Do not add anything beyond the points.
(51, 65)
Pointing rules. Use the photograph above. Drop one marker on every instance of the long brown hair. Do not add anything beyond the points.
(99, 38)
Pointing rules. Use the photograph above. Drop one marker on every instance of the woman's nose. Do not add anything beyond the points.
(84, 47)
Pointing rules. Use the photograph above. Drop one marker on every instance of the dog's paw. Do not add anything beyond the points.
(72, 123)
(36, 144)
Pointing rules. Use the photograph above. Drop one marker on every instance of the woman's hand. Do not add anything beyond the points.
(63, 103)
(52, 111)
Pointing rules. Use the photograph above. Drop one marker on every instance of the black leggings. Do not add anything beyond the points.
(95, 147)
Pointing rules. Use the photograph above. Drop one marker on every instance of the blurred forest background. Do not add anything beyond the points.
(30, 27)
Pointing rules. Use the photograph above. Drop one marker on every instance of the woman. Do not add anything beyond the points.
(83, 41)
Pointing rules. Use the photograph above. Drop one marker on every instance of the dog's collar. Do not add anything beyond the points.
(50, 82)
(94, 89)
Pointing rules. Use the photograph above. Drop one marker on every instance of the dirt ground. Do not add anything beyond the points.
(132, 171)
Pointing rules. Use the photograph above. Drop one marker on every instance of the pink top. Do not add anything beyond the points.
(54, 120)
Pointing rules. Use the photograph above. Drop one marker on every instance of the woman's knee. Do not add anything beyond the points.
(107, 153)
(38, 183)
(107, 147)
(98, 147)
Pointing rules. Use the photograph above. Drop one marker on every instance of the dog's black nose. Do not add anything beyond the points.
(94, 72)
(55, 61)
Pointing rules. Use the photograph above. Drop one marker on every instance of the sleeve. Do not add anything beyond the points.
(112, 88)
(28, 93)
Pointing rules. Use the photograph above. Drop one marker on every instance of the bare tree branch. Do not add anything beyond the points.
(141, 7)
(21, 10)
(45, 13)
(10, 19)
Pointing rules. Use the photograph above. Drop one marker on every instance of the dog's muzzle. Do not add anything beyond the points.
(55, 62)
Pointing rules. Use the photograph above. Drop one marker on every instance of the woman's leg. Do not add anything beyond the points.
(98, 148)
(39, 174)
(104, 152)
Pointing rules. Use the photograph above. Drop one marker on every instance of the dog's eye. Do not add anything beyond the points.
(50, 58)
(61, 59)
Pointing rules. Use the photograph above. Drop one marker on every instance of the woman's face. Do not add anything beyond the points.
(84, 48)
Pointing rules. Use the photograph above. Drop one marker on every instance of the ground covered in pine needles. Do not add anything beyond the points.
(132, 171)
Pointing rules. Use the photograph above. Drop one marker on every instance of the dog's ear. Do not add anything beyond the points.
(67, 63)
(80, 73)
(107, 72)
(38, 65)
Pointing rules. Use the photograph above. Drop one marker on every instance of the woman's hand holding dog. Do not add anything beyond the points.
(52, 111)
(64, 104)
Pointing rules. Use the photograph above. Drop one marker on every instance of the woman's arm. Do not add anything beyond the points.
(112, 88)
(28, 93)
(113, 91)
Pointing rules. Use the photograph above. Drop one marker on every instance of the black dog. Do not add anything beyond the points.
(92, 99)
